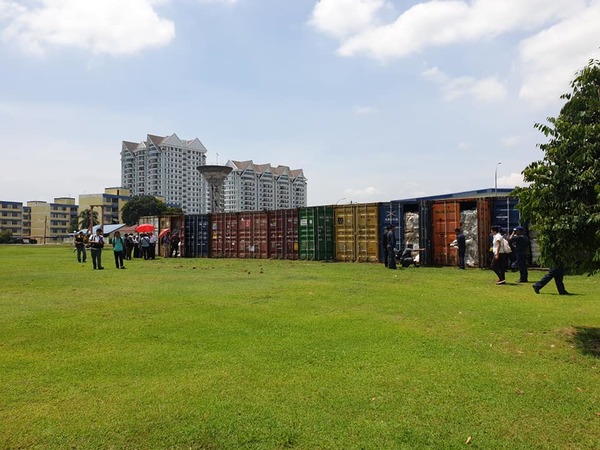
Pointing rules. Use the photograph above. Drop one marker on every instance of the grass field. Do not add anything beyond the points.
(227, 354)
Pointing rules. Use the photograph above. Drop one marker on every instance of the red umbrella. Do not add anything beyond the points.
(145, 228)
(163, 232)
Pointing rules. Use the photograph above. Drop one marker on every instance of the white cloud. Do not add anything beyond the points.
(511, 141)
(512, 180)
(551, 58)
(433, 23)
(112, 27)
(361, 195)
(364, 110)
(485, 89)
(339, 18)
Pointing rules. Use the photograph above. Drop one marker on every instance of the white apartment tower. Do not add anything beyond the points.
(166, 167)
(257, 187)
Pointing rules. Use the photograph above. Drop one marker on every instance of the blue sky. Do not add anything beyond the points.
(375, 99)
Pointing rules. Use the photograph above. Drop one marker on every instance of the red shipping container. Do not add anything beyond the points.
(283, 234)
(253, 235)
(223, 235)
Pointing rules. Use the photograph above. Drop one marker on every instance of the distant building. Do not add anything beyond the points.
(257, 187)
(51, 221)
(166, 167)
(11, 217)
(108, 204)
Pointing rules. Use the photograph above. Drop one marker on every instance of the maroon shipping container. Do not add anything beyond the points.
(283, 234)
(223, 235)
(253, 235)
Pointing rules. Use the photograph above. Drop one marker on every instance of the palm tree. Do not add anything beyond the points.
(84, 218)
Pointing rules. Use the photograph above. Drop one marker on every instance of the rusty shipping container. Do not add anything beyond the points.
(356, 232)
(283, 234)
(253, 235)
(447, 215)
(223, 235)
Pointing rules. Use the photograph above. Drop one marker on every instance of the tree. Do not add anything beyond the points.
(142, 205)
(84, 218)
(562, 201)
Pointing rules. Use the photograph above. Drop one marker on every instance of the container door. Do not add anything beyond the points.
(345, 238)
(446, 217)
(425, 233)
(484, 226)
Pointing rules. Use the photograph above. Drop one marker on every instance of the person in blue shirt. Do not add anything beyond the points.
(118, 249)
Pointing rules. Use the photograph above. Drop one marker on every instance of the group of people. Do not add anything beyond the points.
(124, 247)
(518, 243)
(503, 249)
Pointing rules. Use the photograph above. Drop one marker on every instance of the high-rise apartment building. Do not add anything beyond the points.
(257, 187)
(166, 167)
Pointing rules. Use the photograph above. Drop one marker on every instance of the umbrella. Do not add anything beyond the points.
(145, 228)
(163, 232)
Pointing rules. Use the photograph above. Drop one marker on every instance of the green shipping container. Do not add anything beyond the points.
(315, 233)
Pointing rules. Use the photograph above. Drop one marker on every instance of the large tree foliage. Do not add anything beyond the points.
(562, 201)
(142, 205)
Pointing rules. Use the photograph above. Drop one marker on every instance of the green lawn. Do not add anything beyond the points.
(227, 354)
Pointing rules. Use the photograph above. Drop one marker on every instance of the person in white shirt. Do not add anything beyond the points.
(500, 255)
(97, 243)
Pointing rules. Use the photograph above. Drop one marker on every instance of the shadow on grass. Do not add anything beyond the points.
(587, 340)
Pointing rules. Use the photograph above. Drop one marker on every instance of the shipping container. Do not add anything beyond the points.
(223, 235)
(253, 234)
(356, 232)
(473, 217)
(197, 236)
(316, 233)
(412, 219)
(283, 234)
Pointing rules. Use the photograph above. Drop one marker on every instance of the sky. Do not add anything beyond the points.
(375, 100)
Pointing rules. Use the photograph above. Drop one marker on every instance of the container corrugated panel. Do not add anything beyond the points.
(505, 213)
(283, 234)
(316, 233)
(196, 236)
(223, 235)
(357, 232)
(253, 235)
(389, 214)
(446, 217)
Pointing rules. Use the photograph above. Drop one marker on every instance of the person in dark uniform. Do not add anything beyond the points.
(97, 243)
(391, 245)
(520, 243)
(80, 247)
(461, 247)
(558, 274)
(384, 244)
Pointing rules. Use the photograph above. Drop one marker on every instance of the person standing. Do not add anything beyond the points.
(391, 246)
(558, 273)
(118, 249)
(384, 244)
(166, 244)
(152, 240)
(80, 247)
(521, 246)
(461, 247)
(145, 246)
(500, 251)
(96, 244)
